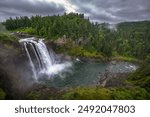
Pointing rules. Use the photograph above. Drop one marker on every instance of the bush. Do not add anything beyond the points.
(135, 93)
(33, 96)
(29, 30)
(90, 93)
(99, 93)
(7, 38)
(82, 52)
(141, 77)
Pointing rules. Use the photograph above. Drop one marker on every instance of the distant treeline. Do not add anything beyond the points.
(128, 39)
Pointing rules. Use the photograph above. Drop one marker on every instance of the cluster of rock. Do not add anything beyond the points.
(111, 79)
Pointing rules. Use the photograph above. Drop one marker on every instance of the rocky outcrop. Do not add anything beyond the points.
(14, 72)
(109, 79)
(21, 35)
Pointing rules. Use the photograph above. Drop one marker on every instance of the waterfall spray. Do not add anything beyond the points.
(47, 63)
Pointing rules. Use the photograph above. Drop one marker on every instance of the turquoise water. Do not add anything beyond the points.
(86, 73)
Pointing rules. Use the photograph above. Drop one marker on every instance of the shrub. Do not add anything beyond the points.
(7, 38)
(90, 93)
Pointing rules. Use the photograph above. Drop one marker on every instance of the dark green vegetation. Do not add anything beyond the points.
(129, 39)
(141, 77)
(7, 38)
(77, 36)
(2, 94)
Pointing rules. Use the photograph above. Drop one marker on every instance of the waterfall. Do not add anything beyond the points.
(46, 59)
(40, 59)
(30, 60)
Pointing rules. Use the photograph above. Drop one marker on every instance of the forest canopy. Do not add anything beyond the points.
(131, 39)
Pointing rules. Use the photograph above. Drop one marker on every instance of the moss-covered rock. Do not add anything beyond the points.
(2, 94)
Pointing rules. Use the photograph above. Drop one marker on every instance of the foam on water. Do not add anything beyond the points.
(46, 60)
(57, 68)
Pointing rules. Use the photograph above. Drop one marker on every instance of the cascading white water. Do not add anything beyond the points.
(30, 60)
(38, 59)
(46, 61)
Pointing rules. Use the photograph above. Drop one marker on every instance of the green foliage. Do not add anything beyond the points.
(33, 96)
(135, 93)
(7, 38)
(2, 94)
(133, 39)
(82, 52)
(72, 25)
(93, 93)
(125, 58)
(129, 38)
(147, 59)
(88, 93)
(29, 30)
(141, 77)
(78, 50)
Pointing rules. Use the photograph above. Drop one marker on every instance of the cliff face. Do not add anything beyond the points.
(14, 71)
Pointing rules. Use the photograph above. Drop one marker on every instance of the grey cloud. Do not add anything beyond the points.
(114, 11)
(13, 8)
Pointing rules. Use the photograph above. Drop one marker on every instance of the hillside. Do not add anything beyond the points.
(128, 39)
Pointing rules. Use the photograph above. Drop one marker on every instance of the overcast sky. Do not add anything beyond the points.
(111, 11)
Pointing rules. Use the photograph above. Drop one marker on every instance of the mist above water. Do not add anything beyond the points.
(42, 61)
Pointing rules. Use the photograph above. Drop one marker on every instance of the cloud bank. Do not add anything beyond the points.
(13, 8)
(112, 11)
